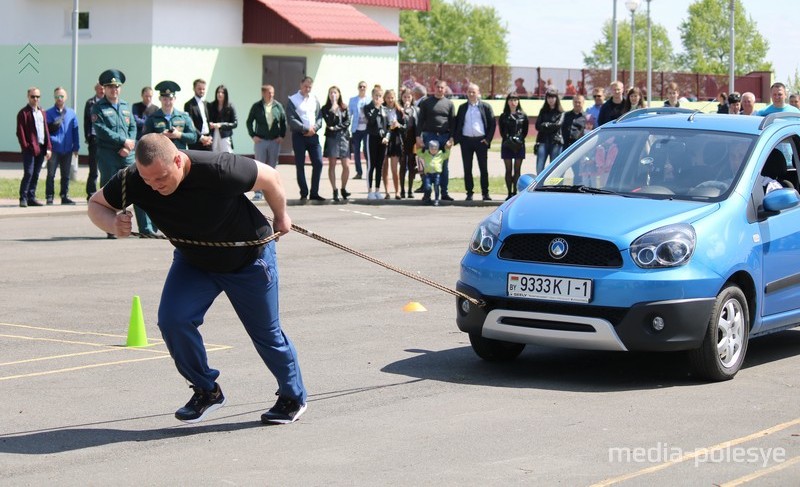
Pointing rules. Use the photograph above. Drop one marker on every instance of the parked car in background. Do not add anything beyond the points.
(667, 230)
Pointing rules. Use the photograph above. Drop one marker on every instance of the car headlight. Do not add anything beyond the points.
(485, 236)
(669, 246)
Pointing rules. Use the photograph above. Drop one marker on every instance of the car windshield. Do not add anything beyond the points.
(652, 163)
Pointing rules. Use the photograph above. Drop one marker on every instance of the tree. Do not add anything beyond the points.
(661, 47)
(705, 36)
(793, 83)
(454, 33)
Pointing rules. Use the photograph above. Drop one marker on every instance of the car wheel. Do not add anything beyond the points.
(722, 353)
(495, 350)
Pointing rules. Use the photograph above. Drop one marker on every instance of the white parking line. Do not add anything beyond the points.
(363, 213)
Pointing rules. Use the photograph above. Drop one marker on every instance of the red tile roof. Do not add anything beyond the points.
(424, 5)
(307, 22)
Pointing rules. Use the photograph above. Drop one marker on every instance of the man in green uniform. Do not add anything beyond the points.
(170, 121)
(115, 129)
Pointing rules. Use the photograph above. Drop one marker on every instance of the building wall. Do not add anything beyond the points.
(150, 41)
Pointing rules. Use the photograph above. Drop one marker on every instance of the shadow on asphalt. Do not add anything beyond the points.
(78, 437)
(56, 239)
(579, 370)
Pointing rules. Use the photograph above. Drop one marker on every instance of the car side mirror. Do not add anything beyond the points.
(776, 201)
(781, 199)
(525, 180)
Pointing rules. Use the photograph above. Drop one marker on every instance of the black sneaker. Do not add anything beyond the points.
(285, 411)
(447, 197)
(201, 403)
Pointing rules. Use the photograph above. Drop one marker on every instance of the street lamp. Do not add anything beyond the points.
(632, 5)
(649, 58)
(614, 43)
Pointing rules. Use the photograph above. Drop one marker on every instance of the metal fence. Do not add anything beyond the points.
(532, 82)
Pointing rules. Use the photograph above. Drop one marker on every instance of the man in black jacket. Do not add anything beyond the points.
(574, 125)
(198, 110)
(91, 139)
(436, 121)
(474, 130)
(612, 108)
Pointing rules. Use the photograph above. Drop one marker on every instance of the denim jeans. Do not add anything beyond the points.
(358, 145)
(442, 138)
(62, 161)
(302, 144)
(31, 166)
(431, 179)
(545, 150)
(253, 292)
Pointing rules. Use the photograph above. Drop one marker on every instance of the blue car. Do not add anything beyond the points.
(666, 230)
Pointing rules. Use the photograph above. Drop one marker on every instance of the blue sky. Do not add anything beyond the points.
(536, 27)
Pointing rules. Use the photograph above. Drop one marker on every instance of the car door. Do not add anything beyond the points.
(780, 235)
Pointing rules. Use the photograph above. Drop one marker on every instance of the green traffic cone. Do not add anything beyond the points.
(137, 336)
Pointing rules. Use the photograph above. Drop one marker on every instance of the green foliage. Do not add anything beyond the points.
(661, 47)
(706, 39)
(453, 33)
(793, 83)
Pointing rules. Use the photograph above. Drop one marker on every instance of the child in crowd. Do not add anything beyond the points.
(433, 160)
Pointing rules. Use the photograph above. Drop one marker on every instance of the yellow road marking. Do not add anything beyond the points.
(53, 357)
(698, 452)
(63, 331)
(72, 342)
(210, 347)
(760, 473)
(91, 366)
(214, 348)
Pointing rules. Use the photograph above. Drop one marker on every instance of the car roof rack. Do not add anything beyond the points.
(775, 116)
(654, 111)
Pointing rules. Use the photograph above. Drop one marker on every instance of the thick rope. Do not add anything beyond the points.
(307, 233)
(403, 272)
(186, 241)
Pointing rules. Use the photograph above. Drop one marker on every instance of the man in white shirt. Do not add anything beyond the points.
(198, 110)
(305, 120)
(474, 130)
(358, 125)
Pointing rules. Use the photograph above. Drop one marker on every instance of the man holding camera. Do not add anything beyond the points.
(170, 121)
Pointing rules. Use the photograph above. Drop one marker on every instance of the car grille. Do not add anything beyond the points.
(583, 251)
(608, 313)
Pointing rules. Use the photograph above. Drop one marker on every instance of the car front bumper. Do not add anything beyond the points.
(585, 326)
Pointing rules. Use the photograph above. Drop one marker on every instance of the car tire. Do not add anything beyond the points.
(723, 349)
(495, 350)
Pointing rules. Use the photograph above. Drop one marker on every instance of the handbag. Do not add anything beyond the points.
(514, 143)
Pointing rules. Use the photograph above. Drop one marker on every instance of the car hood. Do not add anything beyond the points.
(608, 217)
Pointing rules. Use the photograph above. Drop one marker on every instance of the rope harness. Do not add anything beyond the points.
(307, 233)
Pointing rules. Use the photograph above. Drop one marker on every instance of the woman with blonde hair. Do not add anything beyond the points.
(394, 149)
(377, 139)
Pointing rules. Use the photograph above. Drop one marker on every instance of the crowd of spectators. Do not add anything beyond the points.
(387, 134)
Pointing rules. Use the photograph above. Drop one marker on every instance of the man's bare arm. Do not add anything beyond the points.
(106, 218)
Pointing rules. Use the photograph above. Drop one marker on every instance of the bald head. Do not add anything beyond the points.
(154, 147)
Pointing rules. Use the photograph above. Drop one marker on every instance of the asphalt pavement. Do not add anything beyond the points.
(396, 397)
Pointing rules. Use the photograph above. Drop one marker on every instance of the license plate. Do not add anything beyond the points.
(549, 287)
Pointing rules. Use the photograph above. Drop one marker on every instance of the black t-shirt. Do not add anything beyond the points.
(209, 205)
